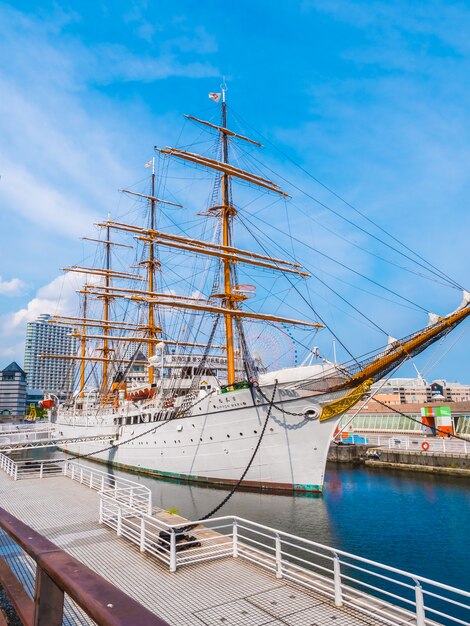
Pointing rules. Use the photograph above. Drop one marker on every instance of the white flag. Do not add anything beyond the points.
(215, 96)
(149, 164)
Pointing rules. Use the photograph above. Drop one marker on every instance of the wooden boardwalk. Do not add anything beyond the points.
(220, 592)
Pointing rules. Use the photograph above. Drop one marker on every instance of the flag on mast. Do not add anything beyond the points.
(149, 163)
(215, 96)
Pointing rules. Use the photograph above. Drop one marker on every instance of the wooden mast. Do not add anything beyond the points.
(226, 215)
(83, 345)
(151, 265)
(106, 299)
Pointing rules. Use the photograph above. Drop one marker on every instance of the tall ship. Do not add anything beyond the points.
(169, 380)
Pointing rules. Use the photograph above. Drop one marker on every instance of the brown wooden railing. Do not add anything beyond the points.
(58, 573)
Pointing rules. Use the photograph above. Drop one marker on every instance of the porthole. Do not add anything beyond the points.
(271, 429)
(210, 438)
(241, 434)
(228, 436)
(256, 432)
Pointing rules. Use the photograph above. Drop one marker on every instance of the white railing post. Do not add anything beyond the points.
(131, 497)
(142, 534)
(41, 469)
(172, 550)
(420, 614)
(65, 468)
(81, 475)
(102, 483)
(234, 538)
(278, 557)
(73, 472)
(100, 519)
(465, 447)
(337, 579)
(443, 445)
(119, 521)
(16, 472)
(91, 479)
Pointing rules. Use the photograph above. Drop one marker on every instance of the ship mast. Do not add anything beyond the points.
(83, 345)
(106, 301)
(227, 213)
(151, 266)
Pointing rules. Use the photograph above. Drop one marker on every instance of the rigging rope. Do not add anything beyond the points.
(447, 278)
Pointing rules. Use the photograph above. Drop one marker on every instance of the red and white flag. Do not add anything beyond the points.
(215, 96)
(149, 164)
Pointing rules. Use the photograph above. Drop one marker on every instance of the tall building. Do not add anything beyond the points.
(12, 392)
(49, 375)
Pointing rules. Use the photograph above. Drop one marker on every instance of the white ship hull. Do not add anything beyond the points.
(215, 443)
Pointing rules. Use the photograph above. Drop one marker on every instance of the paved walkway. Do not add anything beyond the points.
(220, 592)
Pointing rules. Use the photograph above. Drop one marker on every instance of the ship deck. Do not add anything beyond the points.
(232, 591)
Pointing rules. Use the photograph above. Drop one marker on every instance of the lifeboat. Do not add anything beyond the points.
(46, 404)
(141, 394)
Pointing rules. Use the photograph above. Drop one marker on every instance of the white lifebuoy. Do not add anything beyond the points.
(425, 446)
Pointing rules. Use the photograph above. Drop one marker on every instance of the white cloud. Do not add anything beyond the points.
(11, 287)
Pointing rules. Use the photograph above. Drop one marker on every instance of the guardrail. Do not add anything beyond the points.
(58, 574)
(378, 590)
(123, 491)
(120, 489)
(25, 436)
(438, 444)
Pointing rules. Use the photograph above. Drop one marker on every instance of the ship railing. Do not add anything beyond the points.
(377, 590)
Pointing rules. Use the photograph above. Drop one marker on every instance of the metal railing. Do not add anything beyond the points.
(29, 468)
(58, 578)
(119, 489)
(125, 492)
(435, 444)
(378, 590)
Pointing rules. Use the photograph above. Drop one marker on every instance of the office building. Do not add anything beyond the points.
(51, 375)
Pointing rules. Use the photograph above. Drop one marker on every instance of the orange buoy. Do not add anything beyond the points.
(425, 446)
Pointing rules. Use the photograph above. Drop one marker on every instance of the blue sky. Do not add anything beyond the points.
(372, 98)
